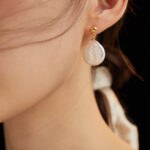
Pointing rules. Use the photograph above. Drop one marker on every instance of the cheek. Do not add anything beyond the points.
(8, 6)
(28, 74)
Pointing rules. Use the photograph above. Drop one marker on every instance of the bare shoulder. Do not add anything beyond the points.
(119, 144)
(122, 145)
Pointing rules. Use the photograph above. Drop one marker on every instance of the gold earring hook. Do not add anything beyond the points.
(93, 32)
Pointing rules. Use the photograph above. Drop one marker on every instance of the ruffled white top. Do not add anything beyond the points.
(117, 120)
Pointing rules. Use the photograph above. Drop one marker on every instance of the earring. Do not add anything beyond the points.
(94, 53)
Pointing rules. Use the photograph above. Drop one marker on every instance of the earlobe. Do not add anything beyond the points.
(107, 13)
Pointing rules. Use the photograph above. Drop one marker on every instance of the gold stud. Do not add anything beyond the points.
(93, 31)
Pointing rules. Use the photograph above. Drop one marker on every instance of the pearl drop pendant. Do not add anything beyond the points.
(94, 53)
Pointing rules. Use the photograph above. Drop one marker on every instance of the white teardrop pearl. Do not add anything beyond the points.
(94, 53)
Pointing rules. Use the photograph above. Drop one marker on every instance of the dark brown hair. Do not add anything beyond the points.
(117, 62)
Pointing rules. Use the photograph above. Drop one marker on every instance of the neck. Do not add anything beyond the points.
(68, 117)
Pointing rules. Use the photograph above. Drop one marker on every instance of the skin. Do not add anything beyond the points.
(46, 96)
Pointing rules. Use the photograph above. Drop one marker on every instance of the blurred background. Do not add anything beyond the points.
(135, 40)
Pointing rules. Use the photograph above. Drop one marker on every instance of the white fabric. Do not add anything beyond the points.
(117, 120)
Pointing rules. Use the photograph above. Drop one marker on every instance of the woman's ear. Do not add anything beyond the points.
(105, 13)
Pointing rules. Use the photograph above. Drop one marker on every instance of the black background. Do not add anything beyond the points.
(135, 42)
